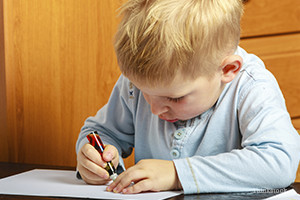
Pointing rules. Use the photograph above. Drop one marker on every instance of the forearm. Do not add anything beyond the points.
(248, 169)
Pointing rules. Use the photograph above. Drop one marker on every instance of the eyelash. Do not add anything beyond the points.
(175, 100)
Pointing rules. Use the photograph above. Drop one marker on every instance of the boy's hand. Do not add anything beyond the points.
(148, 175)
(90, 163)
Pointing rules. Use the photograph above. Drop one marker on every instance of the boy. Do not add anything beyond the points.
(201, 113)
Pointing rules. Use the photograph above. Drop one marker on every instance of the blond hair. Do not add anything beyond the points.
(157, 39)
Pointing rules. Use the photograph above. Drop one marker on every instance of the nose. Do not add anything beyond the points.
(157, 105)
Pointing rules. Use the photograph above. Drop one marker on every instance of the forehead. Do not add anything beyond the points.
(177, 88)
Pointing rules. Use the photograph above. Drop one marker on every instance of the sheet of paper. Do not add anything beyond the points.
(288, 195)
(63, 183)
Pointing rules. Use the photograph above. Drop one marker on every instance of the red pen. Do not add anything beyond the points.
(97, 143)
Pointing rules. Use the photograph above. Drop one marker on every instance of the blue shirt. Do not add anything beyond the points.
(245, 142)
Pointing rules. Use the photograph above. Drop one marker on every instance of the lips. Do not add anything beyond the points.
(170, 120)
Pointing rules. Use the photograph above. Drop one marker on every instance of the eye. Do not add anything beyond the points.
(175, 100)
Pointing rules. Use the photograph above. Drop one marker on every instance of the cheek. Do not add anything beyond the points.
(188, 110)
(182, 108)
(146, 97)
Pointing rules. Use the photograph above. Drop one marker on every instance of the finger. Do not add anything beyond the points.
(95, 169)
(113, 185)
(110, 153)
(92, 154)
(86, 165)
(141, 186)
(125, 179)
(115, 182)
(92, 171)
(91, 178)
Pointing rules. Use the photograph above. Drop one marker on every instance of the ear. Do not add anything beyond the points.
(230, 67)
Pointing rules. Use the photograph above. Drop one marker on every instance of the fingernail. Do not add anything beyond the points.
(106, 176)
(115, 190)
(104, 165)
(108, 189)
(124, 191)
(108, 156)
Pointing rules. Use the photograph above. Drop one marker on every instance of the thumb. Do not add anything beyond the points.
(110, 153)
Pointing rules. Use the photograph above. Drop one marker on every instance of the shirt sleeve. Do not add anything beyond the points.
(269, 153)
(114, 121)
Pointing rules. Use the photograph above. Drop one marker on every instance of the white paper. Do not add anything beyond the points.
(63, 183)
(288, 195)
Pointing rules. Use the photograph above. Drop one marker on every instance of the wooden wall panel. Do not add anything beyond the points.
(60, 69)
(269, 17)
(3, 114)
(298, 171)
(298, 175)
(296, 123)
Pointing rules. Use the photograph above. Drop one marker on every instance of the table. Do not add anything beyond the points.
(8, 169)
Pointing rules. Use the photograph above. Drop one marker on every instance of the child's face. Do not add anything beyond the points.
(182, 100)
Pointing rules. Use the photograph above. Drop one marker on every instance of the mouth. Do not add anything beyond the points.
(170, 120)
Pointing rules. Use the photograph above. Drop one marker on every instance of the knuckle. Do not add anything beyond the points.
(123, 183)
(139, 186)
(88, 151)
(132, 175)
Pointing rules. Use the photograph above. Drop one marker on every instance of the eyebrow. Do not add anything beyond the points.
(179, 96)
(167, 96)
